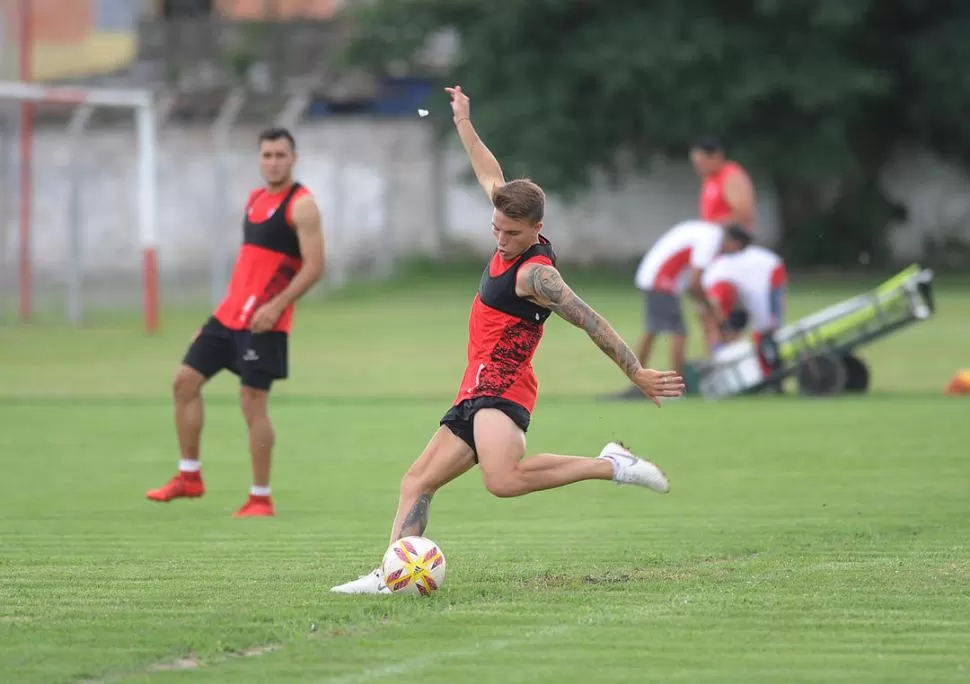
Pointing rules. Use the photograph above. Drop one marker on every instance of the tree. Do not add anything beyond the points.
(810, 93)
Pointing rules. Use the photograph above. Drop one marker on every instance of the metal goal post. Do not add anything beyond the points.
(83, 102)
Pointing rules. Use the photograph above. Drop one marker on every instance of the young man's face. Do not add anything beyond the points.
(705, 163)
(276, 160)
(513, 236)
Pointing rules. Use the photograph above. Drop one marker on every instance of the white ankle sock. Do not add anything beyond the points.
(189, 466)
(259, 491)
(614, 463)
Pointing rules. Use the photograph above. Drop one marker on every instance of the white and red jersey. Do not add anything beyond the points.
(749, 276)
(688, 245)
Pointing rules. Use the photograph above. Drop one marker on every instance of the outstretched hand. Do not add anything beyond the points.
(659, 385)
(460, 104)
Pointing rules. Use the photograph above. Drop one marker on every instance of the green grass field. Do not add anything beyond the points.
(802, 541)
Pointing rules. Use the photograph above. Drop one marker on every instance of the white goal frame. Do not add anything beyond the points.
(142, 104)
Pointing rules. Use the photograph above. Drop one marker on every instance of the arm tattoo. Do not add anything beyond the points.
(548, 285)
(416, 521)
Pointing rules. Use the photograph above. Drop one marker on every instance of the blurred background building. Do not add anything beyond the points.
(222, 69)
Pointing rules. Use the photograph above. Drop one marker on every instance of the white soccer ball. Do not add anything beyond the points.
(413, 565)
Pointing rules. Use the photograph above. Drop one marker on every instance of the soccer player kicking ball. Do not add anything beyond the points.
(519, 290)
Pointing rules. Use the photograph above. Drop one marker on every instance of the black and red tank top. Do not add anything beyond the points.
(268, 259)
(504, 331)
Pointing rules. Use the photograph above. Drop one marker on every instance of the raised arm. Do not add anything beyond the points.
(545, 286)
(484, 164)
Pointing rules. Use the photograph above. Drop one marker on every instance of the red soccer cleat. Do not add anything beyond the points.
(183, 485)
(256, 507)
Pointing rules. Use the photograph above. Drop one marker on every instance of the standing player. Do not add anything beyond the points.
(727, 194)
(755, 278)
(280, 259)
(520, 288)
(671, 268)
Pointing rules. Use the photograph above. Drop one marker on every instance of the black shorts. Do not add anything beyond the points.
(258, 359)
(460, 418)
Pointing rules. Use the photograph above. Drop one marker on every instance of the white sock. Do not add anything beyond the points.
(614, 463)
(259, 491)
(189, 466)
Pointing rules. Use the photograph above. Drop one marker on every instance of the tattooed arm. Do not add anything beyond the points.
(543, 285)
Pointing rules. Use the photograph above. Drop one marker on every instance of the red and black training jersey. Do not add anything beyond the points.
(268, 260)
(504, 331)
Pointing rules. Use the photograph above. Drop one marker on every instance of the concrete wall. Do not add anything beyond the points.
(936, 195)
(607, 224)
(378, 185)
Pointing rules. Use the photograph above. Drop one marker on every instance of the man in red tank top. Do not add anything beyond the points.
(281, 257)
(727, 194)
(486, 424)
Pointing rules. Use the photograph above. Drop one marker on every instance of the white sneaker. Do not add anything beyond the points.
(628, 469)
(371, 583)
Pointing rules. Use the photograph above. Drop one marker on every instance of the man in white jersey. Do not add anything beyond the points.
(672, 267)
(752, 278)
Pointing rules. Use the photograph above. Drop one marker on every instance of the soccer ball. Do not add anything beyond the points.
(413, 565)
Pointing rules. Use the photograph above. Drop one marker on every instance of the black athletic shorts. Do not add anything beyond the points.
(460, 418)
(258, 359)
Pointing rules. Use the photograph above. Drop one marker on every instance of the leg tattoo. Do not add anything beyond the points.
(416, 521)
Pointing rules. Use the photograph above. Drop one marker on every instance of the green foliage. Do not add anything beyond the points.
(809, 93)
(937, 101)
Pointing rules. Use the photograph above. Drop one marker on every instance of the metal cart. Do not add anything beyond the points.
(819, 350)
